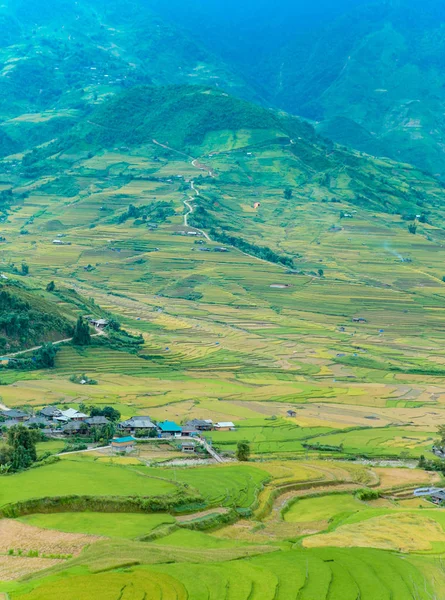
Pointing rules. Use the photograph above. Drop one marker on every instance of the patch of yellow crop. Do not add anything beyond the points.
(393, 477)
(403, 532)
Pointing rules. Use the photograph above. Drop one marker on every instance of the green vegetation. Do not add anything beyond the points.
(304, 310)
(26, 320)
(109, 524)
(81, 336)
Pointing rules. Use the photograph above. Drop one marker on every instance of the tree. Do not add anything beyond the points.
(22, 443)
(20, 459)
(412, 228)
(111, 413)
(243, 450)
(441, 432)
(25, 269)
(46, 356)
(51, 286)
(81, 335)
(321, 272)
(108, 411)
(114, 324)
(288, 192)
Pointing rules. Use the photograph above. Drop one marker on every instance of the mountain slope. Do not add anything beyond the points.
(73, 54)
(28, 320)
(380, 66)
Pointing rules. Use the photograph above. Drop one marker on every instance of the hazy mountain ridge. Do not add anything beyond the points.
(74, 54)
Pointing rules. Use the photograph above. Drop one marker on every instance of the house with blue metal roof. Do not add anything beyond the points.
(169, 429)
(123, 444)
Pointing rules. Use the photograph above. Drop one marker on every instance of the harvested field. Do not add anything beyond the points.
(392, 477)
(17, 535)
(15, 567)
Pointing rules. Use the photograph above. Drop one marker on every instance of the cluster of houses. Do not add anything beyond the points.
(55, 421)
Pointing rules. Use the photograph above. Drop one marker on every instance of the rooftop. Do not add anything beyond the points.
(169, 426)
(123, 440)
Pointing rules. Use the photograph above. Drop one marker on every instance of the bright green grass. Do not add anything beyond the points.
(268, 436)
(224, 486)
(53, 446)
(195, 539)
(323, 508)
(84, 478)
(122, 525)
(320, 574)
(381, 441)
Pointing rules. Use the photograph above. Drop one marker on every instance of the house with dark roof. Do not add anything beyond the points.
(169, 429)
(75, 428)
(50, 412)
(291, 413)
(136, 425)
(188, 431)
(10, 423)
(438, 497)
(18, 415)
(98, 421)
(39, 421)
(200, 425)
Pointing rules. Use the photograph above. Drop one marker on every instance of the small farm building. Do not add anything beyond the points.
(224, 426)
(123, 444)
(291, 413)
(99, 323)
(438, 497)
(188, 447)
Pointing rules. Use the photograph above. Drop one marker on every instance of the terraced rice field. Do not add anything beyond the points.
(107, 524)
(231, 337)
(331, 573)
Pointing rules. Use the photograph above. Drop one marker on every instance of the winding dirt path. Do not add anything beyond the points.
(98, 332)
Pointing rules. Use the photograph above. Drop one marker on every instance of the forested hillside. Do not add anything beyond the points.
(28, 320)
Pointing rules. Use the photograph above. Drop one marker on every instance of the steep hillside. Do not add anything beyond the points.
(377, 64)
(181, 116)
(381, 66)
(204, 122)
(314, 233)
(27, 319)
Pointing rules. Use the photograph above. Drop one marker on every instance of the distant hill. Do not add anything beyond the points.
(268, 150)
(73, 54)
(380, 66)
(180, 116)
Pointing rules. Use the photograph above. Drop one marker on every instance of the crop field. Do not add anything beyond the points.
(351, 338)
(337, 574)
(106, 524)
(375, 442)
(68, 477)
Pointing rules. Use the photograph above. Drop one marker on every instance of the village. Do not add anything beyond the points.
(120, 436)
